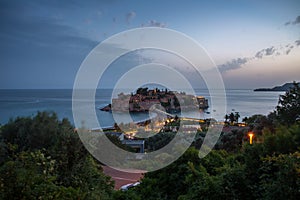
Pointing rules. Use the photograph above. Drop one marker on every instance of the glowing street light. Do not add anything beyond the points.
(251, 137)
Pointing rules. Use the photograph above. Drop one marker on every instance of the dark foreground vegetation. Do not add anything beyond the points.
(43, 158)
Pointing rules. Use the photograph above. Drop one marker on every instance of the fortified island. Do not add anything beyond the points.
(144, 99)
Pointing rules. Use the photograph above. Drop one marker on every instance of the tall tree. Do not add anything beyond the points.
(288, 108)
(226, 118)
(237, 116)
(245, 119)
(231, 118)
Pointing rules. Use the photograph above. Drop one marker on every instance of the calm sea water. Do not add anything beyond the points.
(15, 103)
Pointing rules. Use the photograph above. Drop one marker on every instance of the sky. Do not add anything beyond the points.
(43, 43)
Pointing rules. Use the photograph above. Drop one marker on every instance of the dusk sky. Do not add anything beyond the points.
(253, 43)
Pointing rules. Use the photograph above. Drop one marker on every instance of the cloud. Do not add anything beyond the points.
(28, 41)
(18, 26)
(259, 54)
(289, 48)
(157, 24)
(275, 51)
(43, 33)
(296, 21)
(270, 51)
(238, 62)
(233, 64)
(130, 16)
(266, 52)
(153, 23)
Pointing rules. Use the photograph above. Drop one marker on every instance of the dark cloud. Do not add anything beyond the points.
(153, 23)
(43, 32)
(233, 64)
(270, 51)
(38, 51)
(19, 26)
(296, 21)
(259, 54)
(130, 16)
(266, 52)
(289, 48)
(297, 42)
(157, 24)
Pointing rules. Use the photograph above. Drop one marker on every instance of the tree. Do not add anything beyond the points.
(43, 158)
(280, 179)
(169, 182)
(288, 108)
(237, 116)
(226, 118)
(245, 119)
(232, 141)
(231, 118)
(126, 195)
(202, 185)
(31, 176)
(285, 141)
(27, 133)
(159, 140)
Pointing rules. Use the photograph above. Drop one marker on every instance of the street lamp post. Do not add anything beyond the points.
(251, 137)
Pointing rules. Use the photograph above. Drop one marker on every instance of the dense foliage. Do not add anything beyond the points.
(43, 158)
(268, 169)
(288, 109)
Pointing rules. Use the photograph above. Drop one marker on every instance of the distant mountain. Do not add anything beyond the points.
(284, 87)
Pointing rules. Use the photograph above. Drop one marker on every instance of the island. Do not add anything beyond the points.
(283, 88)
(145, 98)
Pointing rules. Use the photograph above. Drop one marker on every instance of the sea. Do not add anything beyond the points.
(27, 102)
